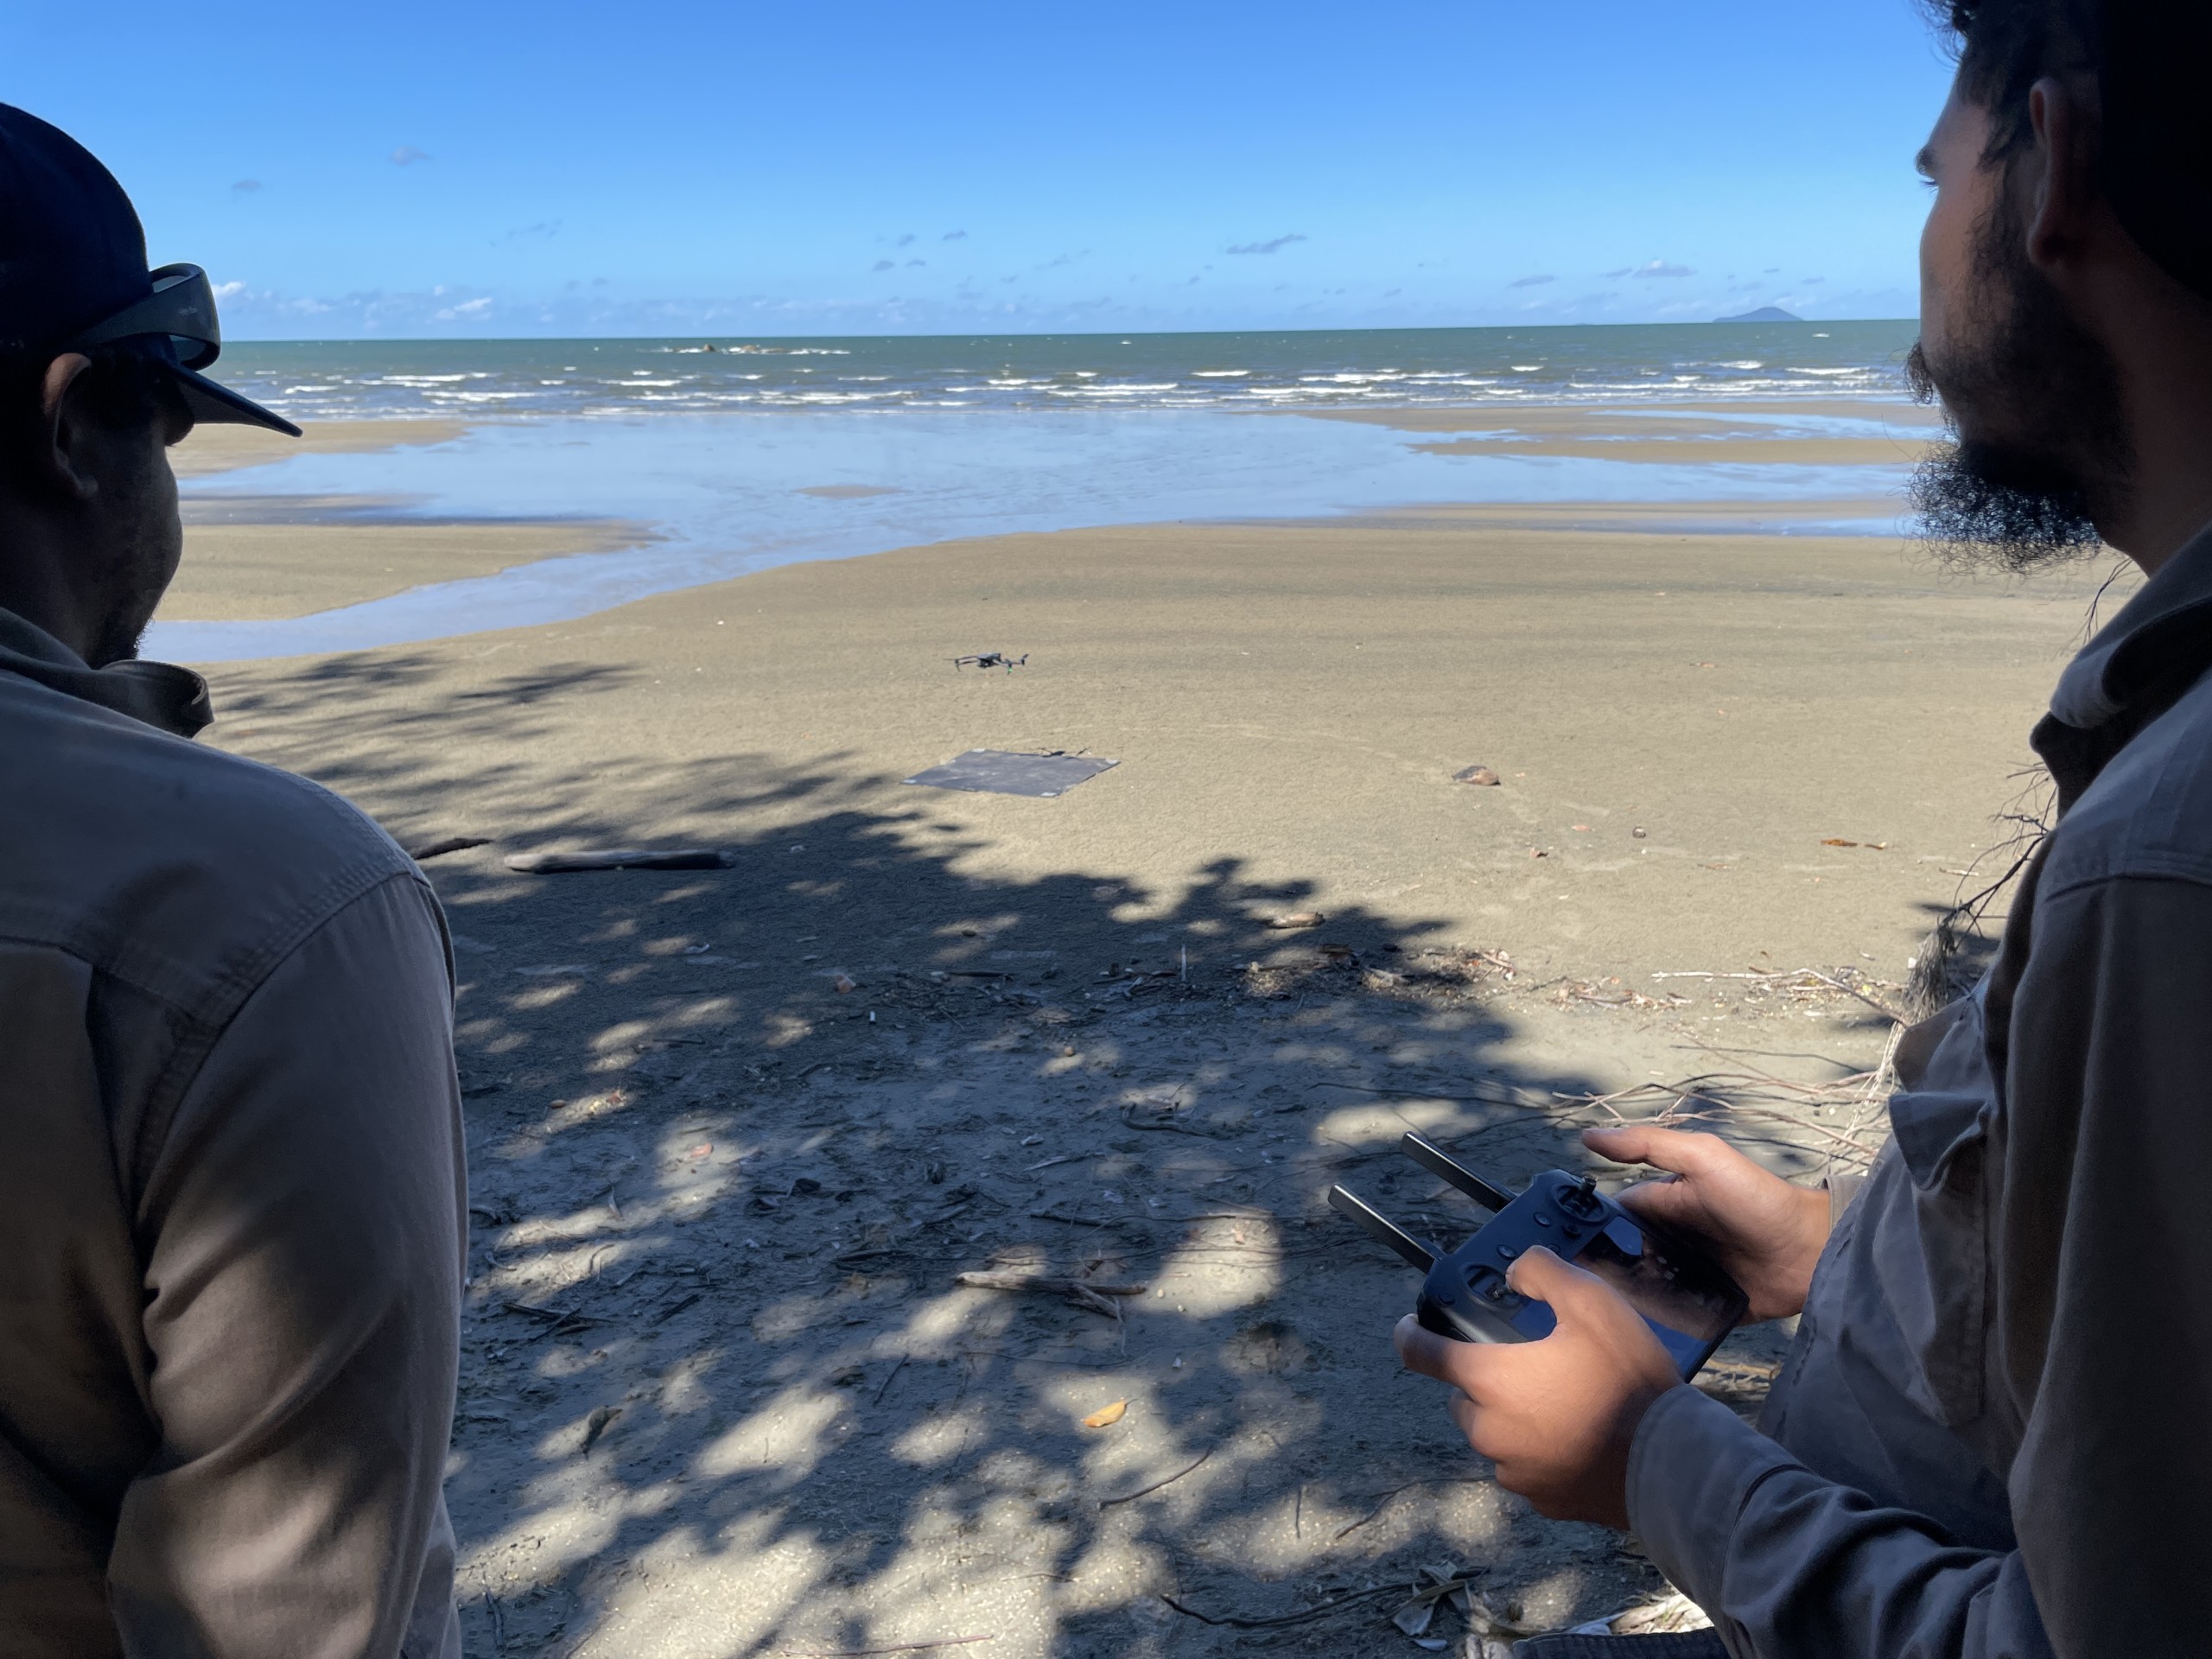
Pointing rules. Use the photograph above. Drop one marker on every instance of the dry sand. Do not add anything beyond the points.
(721, 1392)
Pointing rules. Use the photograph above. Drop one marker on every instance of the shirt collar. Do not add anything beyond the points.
(169, 698)
(2163, 631)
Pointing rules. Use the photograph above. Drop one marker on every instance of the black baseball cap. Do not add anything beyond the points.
(73, 275)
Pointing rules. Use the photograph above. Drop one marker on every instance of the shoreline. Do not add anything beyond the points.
(456, 528)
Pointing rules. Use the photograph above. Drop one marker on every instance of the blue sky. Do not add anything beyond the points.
(823, 167)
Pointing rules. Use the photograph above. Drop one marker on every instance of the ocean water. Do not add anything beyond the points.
(1322, 369)
(731, 461)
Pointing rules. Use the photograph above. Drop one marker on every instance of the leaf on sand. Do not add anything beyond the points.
(1414, 1618)
(1106, 1416)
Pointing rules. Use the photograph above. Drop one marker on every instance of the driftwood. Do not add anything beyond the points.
(620, 858)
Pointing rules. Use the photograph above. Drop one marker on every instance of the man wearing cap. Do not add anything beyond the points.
(232, 1204)
(1993, 1439)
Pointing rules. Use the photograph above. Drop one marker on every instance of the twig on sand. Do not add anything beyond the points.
(445, 844)
(1829, 979)
(901, 1646)
(619, 858)
(893, 1376)
(1040, 1281)
(1168, 1125)
(1384, 1501)
(1098, 1298)
(1351, 1599)
(557, 1322)
(1430, 1094)
(1147, 1491)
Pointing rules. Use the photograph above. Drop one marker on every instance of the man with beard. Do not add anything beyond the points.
(231, 1201)
(1990, 1438)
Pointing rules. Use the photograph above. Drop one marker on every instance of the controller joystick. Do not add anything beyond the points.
(1583, 1200)
(1683, 1294)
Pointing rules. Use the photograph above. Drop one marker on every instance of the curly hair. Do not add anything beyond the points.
(2004, 47)
(2149, 58)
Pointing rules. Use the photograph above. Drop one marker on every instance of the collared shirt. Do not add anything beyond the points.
(233, 1197)
(1990, 1438)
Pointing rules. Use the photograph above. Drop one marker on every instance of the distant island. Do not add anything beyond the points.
(1765, 314)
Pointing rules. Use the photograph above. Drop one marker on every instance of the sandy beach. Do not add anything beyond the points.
(735, 1131)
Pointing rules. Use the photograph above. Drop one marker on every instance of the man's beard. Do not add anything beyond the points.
(2035, 496)
(118, 641)
(124, 627)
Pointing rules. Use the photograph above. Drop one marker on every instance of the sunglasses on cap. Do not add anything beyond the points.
(177, 321)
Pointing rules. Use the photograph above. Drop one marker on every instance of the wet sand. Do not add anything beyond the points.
(735, 1131)
(1763, 433)
(257, 556)
(222, 449)
(295, 569)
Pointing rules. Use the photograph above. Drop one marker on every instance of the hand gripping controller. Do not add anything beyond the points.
(1683, 1295)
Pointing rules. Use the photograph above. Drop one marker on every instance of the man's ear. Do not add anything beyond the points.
(2062, 169)
(59, 459)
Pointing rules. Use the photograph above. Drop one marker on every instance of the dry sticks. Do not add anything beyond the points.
(1755, 1092)
(1081, 1292)
(1800, 975)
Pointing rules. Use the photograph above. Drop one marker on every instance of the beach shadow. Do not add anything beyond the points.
(734, 1134)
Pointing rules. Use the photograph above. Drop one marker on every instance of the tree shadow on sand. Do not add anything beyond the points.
(734, 1134)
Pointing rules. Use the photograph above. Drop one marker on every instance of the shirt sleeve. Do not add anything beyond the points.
(1790, 1565)
(2103, 1263)
(303, 1227)
(2098, 1260)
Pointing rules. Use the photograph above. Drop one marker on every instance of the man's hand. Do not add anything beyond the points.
(1767, 1233)
(1556, 1416)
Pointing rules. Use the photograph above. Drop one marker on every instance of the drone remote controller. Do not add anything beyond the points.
(1688, 1300)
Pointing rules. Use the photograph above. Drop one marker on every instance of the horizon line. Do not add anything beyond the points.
(1085, 333)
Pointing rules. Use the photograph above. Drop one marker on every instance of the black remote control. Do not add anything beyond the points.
(1688, 1300)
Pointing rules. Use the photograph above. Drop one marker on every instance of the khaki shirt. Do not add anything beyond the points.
(232, 1204)
(1994, 1436)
